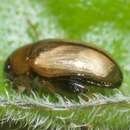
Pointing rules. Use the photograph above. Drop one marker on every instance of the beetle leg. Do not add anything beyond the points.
(73, 83)
(22, 84)
(77, 86)
(49, 86)
(42, 84)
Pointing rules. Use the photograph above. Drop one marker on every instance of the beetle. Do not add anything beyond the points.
(69, 64)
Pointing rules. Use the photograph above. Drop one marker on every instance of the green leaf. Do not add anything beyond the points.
(105, 23)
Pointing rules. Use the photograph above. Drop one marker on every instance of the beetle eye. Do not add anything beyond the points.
(7, 66)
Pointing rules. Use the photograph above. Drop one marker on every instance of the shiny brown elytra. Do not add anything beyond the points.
(71, 65)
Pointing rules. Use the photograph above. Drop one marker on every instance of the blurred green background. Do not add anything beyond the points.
(104, 22)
